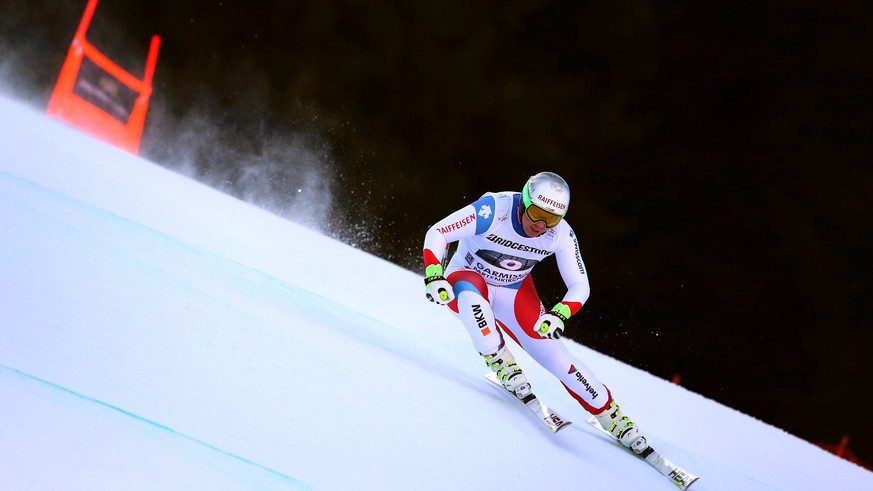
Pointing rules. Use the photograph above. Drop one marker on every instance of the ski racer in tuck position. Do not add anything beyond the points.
(488, 286)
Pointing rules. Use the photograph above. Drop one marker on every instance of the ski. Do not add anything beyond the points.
(544, 414)
(677, 475)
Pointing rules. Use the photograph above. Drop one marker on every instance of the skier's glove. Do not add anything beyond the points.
(551, 324)
(436, 288)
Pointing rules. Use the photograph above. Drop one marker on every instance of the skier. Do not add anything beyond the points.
(488, 286)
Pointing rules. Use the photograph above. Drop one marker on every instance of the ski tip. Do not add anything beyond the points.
(690, 483)
(553, 421)
(562, 426)
(683, 479)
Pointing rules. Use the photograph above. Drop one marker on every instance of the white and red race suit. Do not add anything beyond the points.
(490, 276)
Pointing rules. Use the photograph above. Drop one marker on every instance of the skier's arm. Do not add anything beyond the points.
(551, 324)
(572, 270)
(466, 222)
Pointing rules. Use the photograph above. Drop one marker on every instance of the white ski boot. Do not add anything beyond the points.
(510, 374)
(622, 428)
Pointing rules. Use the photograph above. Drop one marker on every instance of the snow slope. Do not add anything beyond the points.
(156, 334)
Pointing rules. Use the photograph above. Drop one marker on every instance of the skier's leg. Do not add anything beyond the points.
(518, 310)
(554, 356)
(472, 307)
(586, 389)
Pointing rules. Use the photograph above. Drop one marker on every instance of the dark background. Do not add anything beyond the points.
(718, 155)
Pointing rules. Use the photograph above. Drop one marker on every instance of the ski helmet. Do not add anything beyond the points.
(546, 197)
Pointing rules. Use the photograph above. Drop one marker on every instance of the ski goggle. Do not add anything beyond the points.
(537, 214)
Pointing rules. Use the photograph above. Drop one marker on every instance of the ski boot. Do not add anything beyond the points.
(622, 428)
(508, 372)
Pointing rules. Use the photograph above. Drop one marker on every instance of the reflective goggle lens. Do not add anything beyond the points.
(537, 214)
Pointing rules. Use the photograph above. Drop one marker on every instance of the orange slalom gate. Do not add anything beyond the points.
(99, 97)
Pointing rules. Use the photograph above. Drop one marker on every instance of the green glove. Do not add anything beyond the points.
(436, 288)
